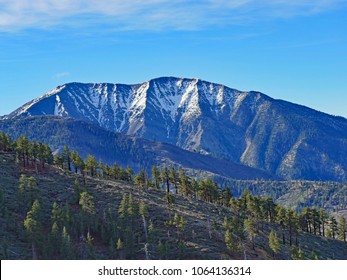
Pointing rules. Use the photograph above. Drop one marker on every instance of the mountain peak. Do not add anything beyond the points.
(283, 138)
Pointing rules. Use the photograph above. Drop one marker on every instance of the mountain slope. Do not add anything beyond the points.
(126, 150)
(285, 139)
(196, 240)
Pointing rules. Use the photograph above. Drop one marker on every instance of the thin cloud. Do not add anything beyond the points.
(151, 14)
(61, 75)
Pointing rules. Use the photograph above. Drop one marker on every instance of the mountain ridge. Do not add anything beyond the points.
(88, 138)
(288, 140)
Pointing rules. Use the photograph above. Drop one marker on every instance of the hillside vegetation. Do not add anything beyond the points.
(52, 213)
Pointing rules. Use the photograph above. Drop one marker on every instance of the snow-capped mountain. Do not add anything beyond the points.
(288, 140)
(164, 104)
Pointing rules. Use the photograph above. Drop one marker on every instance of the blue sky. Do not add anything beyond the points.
(293, 50)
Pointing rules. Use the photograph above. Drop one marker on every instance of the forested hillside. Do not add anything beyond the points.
(66, 207)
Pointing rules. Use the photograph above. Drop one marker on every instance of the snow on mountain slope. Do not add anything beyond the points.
(288, 140)
(121, 108)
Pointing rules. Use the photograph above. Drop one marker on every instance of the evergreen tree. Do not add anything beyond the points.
(28, 192)
(120, 248)
(140, 179)
(185, 186)
(230, 241)
(270, 209)
(290, 224)
(281, 219)
(57, 215)
(6, 144)
(59, 160)
(47, 155)
(55, 238)
(226, 196)
(77, 191)
(156, 176)
(66, 248)
(323, 219)
(33, 154)
(77, 161)
(306, 217)
(90, 165)
(296, 253)
(151, 231)
(67, 157)
(22, 148)
(129, 174)
(251, 229)
(165, 178)
(116, 172)
(33, 226)
(88, 209)
(173, 177)
(274, 243)
(333, 227)
(342, 229)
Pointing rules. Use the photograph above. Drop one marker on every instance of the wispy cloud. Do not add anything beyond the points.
(151, 14)
(61, 75)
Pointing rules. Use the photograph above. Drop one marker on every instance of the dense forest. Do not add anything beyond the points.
(64, 207)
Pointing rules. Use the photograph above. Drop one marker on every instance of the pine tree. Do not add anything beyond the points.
(323, 220)
(33, 154)
(28, 192)
(342, 229)
(296, 253)
(22, 149)
(67, 157)
(90, 165)
(270, 209)
(226, 196)
(116, 172)
(140, 179)
(120, 248)
(47, 156)
(66, 248)
(77, 191)
(230, 242)
(274, 243)
(290, 224)
(129, 174)
(59, 160)
(185, 186)
(251, 229)
(165, 178)
(57, 215)
(151, 231)
(33, 226)
(88, 209)
(281, 220)
(6, 144)
(77, 161)
(156, 176)
(173, 177)
(55, 238)
(333, 227)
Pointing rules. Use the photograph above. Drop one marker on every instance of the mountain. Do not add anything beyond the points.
(110, 147)
(287, 140)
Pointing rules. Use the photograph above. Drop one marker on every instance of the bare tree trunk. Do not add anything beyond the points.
(33, 249)
(145, 227)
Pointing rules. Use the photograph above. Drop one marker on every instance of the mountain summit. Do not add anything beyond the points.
(285, 139)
